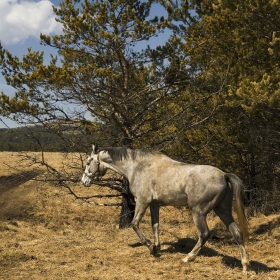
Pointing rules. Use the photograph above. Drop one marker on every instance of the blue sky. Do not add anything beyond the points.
(21, 22)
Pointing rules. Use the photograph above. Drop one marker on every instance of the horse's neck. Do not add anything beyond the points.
(124, 167)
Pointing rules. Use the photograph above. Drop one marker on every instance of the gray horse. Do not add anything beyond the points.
(156, 180)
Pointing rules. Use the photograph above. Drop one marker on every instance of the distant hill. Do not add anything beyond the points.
(28, 139)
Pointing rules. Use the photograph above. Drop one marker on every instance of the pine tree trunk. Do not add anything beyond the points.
(128, 206)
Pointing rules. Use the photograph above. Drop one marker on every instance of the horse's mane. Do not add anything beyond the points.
(120, 153)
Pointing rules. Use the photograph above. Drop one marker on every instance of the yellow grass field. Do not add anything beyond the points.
(45, 233)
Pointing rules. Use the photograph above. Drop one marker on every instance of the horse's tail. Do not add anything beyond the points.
(238, 190)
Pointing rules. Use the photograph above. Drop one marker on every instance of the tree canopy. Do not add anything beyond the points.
(101, 71)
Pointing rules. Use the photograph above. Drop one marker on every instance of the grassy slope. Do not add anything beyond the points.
(46, 234)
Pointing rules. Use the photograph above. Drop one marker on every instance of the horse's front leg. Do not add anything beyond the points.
(140, 210)
(154, 208)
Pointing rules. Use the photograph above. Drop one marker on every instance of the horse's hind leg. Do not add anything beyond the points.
(138, 215)
(235, 231)
(203, 231)
(154, 208)
(224, 211)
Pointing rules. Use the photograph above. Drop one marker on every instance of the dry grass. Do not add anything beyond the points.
(46, 234)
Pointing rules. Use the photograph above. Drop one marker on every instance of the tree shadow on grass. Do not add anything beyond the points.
(13, 181)
(15, 203)
(185, 245)
(266, 226)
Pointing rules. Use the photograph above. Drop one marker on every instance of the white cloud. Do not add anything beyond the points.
(20, 19)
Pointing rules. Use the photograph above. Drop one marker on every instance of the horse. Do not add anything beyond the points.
(157, 180)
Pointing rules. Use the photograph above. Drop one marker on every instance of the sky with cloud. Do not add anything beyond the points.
(21, 22)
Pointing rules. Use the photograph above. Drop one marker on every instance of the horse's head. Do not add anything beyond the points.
(94, 168)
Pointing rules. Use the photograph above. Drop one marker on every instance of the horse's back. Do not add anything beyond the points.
(179, 184)
(161, 180)
(205, 175)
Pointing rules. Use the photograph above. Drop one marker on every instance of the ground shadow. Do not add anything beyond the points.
(266, 226)
(260, 267)
(255, 266)
(135, 245)
(15, 203)
(13, 181)
(185, 245)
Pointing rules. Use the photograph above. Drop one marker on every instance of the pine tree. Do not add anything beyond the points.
(234, 49)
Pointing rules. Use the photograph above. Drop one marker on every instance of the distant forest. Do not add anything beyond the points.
(31, 138)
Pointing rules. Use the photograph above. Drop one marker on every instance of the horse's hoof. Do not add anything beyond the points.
(149, 244)
(189, 259)
(154, 250)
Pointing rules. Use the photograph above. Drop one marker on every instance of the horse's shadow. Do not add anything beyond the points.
(185, 245)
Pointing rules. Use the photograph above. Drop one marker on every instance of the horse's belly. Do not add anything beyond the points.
(173, 197)
(182, 201)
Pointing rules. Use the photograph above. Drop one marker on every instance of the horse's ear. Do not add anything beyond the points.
(94, 149)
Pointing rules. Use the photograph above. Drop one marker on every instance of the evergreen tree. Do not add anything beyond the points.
(234, 49)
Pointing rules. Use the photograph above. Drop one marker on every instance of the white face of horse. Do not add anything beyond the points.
(94, 169)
